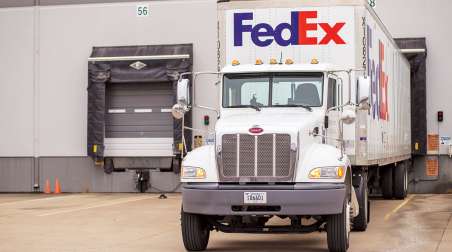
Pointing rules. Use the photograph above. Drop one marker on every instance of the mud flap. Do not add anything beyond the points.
(355, 205)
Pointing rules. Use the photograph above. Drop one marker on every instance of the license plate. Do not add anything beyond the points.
(255, 197)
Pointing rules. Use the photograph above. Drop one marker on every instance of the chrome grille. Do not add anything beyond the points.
(246, 156)
(282, 155)
(229, 154)
(263, 158)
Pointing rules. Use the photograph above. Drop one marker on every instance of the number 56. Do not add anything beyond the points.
(142, 10)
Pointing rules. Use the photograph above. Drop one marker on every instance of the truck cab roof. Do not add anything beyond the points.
(251, 68)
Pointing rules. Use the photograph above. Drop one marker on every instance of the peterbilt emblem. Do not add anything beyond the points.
(138, 65)
(256, 129)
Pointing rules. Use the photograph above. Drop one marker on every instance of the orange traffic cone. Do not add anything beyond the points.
(47, 187)
(57, 186)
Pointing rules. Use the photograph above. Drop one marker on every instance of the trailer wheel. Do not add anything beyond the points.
(195, 231)
(360, 221)
(400, 181)
(338, 229)
(386, 185)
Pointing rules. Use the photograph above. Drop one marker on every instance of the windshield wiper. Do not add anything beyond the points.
(257, 108)
(308, 108)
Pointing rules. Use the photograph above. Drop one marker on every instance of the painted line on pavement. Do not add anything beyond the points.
(40, 199)
(111, 203)
(388, 215)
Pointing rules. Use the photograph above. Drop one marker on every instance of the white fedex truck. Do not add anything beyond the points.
(314, 113)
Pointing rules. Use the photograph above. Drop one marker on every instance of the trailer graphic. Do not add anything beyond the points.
(298, 29)
(379, 79)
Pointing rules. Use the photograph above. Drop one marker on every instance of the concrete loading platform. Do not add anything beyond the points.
(142, 222)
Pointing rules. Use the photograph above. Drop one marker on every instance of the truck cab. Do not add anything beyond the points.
(278, 152)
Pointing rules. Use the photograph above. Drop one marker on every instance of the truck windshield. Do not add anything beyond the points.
(273, 90)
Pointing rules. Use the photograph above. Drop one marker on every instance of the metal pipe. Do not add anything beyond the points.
(184, 147)
(413, 50)
(132, 58)
(199, 130)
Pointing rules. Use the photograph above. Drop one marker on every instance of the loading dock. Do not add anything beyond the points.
(130, 94)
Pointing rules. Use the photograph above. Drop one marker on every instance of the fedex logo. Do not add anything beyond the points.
(264, 34)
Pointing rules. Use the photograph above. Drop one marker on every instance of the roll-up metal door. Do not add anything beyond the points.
(139, 110)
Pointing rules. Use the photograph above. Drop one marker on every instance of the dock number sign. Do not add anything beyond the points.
(142, 10)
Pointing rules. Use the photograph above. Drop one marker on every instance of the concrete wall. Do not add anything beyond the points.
(429, 19)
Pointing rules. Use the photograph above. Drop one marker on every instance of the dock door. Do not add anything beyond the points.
(130, 94)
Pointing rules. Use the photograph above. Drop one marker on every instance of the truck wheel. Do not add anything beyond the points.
(386, 185)
(360, 221)
(195, 231)
(338, 229)
(400, 181)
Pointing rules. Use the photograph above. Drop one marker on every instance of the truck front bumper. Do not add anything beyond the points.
(297, 199)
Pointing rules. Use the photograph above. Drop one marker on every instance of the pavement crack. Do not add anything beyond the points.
(444, 233)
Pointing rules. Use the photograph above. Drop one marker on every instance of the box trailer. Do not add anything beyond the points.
(314, 113)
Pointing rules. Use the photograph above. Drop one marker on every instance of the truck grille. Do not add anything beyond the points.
(263, 158)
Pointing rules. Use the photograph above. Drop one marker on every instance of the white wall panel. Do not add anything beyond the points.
(67, 34)
(16, 81)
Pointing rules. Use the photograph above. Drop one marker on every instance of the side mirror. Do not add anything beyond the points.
(363, 92)
(183, 92)
(348, 115)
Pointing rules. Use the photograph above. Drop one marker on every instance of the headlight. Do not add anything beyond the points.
(193, 172)
(331, 172)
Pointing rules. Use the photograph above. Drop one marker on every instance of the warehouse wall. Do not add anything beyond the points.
(17, 82)
(65, 48)
(429, 19)
(43, 81)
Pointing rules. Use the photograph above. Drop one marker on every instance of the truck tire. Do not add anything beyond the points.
(195, 231)
(338, 229)
(362, 194)
(386, 185)
(400, 181)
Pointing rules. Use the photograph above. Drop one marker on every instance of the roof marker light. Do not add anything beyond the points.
(314, 61)
(259, 62)
(235, 62)
(289, 62)
(273, 61)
